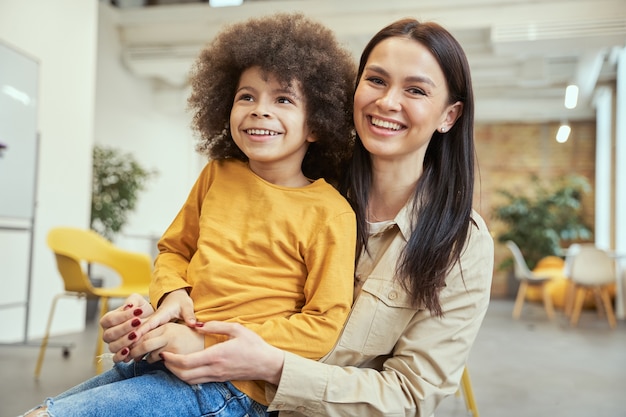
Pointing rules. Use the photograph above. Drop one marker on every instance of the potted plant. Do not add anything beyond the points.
(117, 180)
(539, 220)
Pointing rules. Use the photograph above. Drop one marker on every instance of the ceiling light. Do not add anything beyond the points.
(225, 3)
(571, 96)
(563, 133)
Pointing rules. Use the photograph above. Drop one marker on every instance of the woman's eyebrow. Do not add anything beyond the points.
(413, 78)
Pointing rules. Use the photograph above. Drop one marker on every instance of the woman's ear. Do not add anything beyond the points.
(452, 113)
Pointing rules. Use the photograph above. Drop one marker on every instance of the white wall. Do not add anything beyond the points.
(148, 120)
(61, 35)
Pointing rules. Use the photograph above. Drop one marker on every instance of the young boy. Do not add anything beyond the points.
(263, 239)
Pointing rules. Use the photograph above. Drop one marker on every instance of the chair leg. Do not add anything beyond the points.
(468, 393)
(578, 305)
(519, 300)
(104, 308)
(604, 295)
(570, 293)
(599, 301)
(547, 301)
(44, 342)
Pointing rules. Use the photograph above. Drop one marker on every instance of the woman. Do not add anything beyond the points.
(426, 259)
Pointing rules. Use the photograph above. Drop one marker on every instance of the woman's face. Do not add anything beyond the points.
(401, 99)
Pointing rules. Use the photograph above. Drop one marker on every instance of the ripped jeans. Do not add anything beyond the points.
(143, 389)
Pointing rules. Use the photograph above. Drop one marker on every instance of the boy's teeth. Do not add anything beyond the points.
(261, 132)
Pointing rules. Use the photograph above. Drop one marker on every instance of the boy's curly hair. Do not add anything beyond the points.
(291, 48)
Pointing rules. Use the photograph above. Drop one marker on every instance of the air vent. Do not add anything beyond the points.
(559, 30)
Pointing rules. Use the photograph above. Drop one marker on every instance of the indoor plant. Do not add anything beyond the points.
(539, 220)
(117, 180)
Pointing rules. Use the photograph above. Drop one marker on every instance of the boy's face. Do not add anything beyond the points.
(268, 122)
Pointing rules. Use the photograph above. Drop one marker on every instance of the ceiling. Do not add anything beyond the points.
(522, 54)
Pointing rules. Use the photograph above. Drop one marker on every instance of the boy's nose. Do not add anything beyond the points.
(259, 113)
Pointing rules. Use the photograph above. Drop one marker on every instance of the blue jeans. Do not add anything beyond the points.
(143, 389)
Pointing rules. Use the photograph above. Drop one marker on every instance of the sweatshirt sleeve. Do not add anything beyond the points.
(179, 243)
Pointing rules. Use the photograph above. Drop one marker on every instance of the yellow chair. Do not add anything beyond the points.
(75, 248)
(468, 393)
(527, 279)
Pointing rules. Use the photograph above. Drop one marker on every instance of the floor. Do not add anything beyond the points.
(529, 367)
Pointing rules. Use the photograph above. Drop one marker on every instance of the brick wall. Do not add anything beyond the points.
(509, 154)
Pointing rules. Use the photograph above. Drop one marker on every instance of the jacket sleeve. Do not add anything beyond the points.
(179, 243)
(424, 366)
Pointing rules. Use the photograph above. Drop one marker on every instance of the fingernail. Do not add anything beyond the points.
(199, 324)
(132, 336)
(124, 352)
(128, 306)
(135, 322)
(138, 312)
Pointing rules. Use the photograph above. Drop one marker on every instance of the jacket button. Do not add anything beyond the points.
(393, 295)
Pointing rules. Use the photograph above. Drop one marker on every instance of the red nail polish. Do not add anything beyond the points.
(161, 356)
(138, 312)
(135, 322)
(128, 306)
(199, 324)
(124, 352)
(132, 336)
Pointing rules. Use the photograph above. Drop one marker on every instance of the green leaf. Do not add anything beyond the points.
(117, 181)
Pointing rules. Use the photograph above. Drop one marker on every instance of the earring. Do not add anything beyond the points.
(443, 130)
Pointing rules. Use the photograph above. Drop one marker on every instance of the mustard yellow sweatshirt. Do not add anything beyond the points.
(278, 260)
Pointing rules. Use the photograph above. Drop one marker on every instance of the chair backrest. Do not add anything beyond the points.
(74, 247)
(592, 266)
(519, 266)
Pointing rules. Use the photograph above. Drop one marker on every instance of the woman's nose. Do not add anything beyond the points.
(390, 100)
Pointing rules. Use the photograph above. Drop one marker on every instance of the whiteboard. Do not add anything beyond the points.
(18, 133)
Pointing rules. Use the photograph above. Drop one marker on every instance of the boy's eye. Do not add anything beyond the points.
(245, 97)
(284, 100)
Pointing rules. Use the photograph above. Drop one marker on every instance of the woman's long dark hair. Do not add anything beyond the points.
(442, 200)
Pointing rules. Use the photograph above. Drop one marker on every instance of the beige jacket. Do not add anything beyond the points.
(392, 359)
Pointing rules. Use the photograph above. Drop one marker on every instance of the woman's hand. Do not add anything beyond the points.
(245, 356)
(170, 337)
(119, 323)
(125, 326)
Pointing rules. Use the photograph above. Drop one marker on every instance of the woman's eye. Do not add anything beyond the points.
(375, 80)
(416, 91)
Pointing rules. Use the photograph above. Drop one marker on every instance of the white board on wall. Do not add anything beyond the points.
(18, 133)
